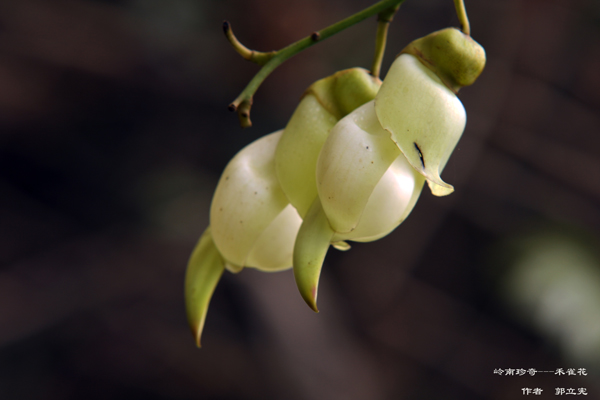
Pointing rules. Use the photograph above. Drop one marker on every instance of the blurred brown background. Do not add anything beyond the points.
(113, 132)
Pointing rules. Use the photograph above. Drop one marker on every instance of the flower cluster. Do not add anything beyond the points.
(349, 166)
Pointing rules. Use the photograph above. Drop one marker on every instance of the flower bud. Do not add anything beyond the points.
(417, 104)
(323, 104)
(423, 117)
(366, 189)
(252, 223)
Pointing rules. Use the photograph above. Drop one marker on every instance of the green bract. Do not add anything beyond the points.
(456, 58)
(203, 272)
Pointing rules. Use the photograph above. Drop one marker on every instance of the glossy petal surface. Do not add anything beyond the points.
(324, 103)
(353, 160)
(247, 200)
(390, 203)
(424, 118)
(275, 246)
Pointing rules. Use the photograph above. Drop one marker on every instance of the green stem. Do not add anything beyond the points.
(243, 102)
(383, 23)
(461, 12)
(257, 57)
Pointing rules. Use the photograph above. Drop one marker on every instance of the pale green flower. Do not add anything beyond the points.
(372, 167)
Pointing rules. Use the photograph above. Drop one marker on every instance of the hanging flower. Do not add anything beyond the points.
(252, 222)
(252, 225)
(418, 105)
(372, 167)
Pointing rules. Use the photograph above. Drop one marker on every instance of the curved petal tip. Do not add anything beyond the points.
(310, 248)
(204, 271)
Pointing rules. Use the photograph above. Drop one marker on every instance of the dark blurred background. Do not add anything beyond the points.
(113, 132)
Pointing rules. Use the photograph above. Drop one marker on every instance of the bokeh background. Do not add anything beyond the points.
(113, 132)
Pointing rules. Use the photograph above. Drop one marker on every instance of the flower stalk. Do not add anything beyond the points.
(383, 23)
(461, 12)
(258, 57)
(243, 102)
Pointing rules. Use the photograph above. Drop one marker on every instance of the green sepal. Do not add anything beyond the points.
(453, 56)
(345, 91)
(310, 249)
(204, 270)
(423, 117)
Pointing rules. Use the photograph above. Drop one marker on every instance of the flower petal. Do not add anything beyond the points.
(247, 199)
(390, 203)
(355, 156)
(274, 248)
(424, 118)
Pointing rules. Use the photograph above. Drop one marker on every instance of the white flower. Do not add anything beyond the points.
(252, 222)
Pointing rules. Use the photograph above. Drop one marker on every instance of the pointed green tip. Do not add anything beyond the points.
(455, 57)
(310, 249)
(311, 298)
(197, 332)
(308, 289)
(203, 273)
